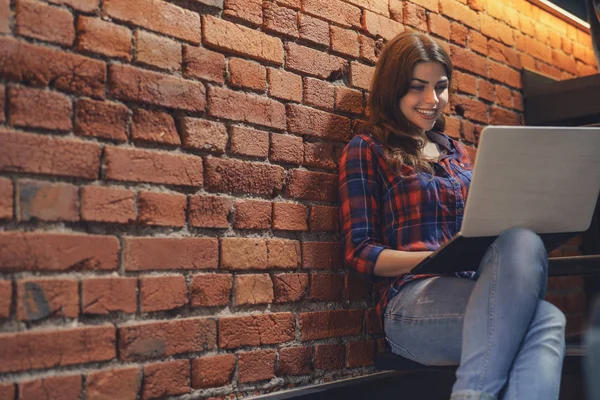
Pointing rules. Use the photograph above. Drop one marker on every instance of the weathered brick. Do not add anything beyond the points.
(105, 295)
(322, 255)
(329, 356)
(2, 101)
(504, 74)
(6, 199)
(166, 379)
(203, 64)
(146, 254)
(497, 30)
(253, 214)
(378, 6)
(51, 387)
(143, 340)
(323, 218)
(154, 127)
(326, 287)
(295, 360)
(137, 165)
(50, 67)
(48, 348)
(290, 287)
(329, 324)
(122, 383)
(460, 12)
(41, 251)
(478, 42)
(486, 90)
(286, 149)
(504, 54)
(209, 290)
(373, 321)
(88, 6)
(289, 217)
(469, 132)
(229, 37)
(134, 84)
(42, 21)
(164, 209)
(472, 109)
(467, 60)
(465, 83)
(254, 330)
(243, 253)
(368, 48)
(564, 62)
(103, 37)
(158, 293)
(156, 15)
(247, 74)
(284, 85)
(499, 116)
(396, 8)
(452, 128)
(107, 204)
(212, 371)
(313, 62)
(247, 10)
(281, 20)
(415, 16)
(309, 185)
(459, 34)
(321, 155)
(249, 142)
(348, 100)
(336, 11)
(360, 354)
(202, 134)
(344, 41)
(158, 51)
(313, 30)
(228, 175)
(283, 253)
(101, 119)
(6, 293)
(256, 365)
(209, 211)
(240, 106)
(308, 121)
(34, 108)
(361, 75)
(47, 201)
(41, 298)
(5, 16)
(319, 93)
(378, 25)
(503, 96)
(252, 289)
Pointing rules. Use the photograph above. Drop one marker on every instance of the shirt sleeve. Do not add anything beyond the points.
(359, 207)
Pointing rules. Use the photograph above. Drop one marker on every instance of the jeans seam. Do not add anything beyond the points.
(492, 310)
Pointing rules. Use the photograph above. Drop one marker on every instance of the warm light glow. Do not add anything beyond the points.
(562, 14)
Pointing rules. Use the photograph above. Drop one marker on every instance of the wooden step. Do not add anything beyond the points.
(579, 265)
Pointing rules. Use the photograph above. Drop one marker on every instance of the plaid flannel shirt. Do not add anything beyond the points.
(381, 210)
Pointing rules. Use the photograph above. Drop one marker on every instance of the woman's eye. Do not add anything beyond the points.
(441, 88)
(418, 88)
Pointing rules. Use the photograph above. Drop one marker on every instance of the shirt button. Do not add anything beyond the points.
(462, 165)
(460, 210)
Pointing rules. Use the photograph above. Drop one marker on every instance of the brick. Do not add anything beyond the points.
(210, 290)
(157, 16)
(101, 119)
(538, 50)
(329, 356)
(323, 218)
(166, 379)
(34, 108)
(360, 354)
(43, 66)
(289, 217)
(357, 288)
(102, 37)
(228, 175)
(380, 7)
(49, 348)
(283, 253)
(249, 142)
(41, 251)
(452, 127)
(504, 74)
(567, 46)
(46, 201)
(256, 365)
(541, 33)
(313, 62)
(237, 39)
(295, 4)
(5, 15)
(284, 85)
(157, 51)
(2, 103)
(41, 21)
(146, 254)
(243, 253)
(104, 295)
(154, 127)
(286, 149)
(247, 74)
(499, 116)
(459, 34)
(122, 383)
(88, 6)
(504, 96)
(329, 324)
(344, 41)
(245, 107)
(396, 9)
(471, 109)
(308, 121)
(336, 11)
(280, 20)
(247, 10)
(478, 42)
(134, 84)
(162, 209)
(252, 289)
(52, 387)
(309, 185)
(202, 134)
(584, 70)
(517, 100)
(7, 390)
(107, 204)
(504, 54)
(143, 340)
(159, 293)
(439, 25)
(295, 360)
(212, 371)
(415, 16)
(497, 30)
(545, 69)
(564, 62)
(254, 330)
(555, 39)
(326, 287)
(136, 165)
(313, 30)
(290, 287)
(361, 75)
(368, 48)
(209, 211)
(6, 293)
(469, 61)
(378, 25)
(373, 321)
(486, 90)
(41, 298)
(469, 131)
(253, 214)
(319, 94)
(460, 12)
(348, 100)
(465, 83)
(322, 255)
(203, 64)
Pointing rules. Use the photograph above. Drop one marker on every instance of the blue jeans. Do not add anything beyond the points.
(508, 342)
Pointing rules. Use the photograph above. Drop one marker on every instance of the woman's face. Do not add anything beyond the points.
(427, 95)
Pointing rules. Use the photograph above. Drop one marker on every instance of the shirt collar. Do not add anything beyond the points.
(441, 139)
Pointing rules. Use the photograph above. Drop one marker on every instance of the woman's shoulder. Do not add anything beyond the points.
(364, 140)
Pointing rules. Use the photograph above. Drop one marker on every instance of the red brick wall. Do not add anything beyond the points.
(168, 182)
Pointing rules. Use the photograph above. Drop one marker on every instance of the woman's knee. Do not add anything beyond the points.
(551, 319)
(524, 254)
(522, 239)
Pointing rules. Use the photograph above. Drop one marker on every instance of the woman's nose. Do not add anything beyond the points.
(431, 97)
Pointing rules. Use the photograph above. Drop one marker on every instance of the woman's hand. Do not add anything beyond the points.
(392, 263)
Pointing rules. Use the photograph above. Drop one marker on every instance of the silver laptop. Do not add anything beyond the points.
(546, 179)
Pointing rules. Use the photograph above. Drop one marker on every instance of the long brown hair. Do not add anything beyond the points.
(402, 141)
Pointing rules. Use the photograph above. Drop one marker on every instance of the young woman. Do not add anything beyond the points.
(403, 186)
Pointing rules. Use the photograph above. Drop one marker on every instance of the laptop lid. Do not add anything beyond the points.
(546, 179)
